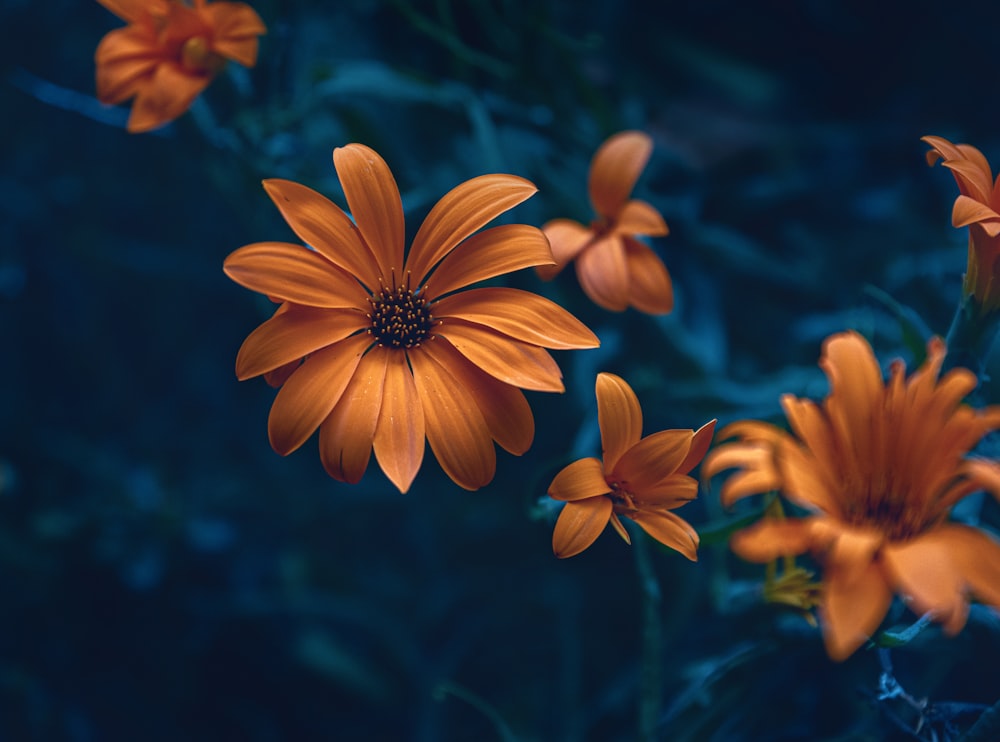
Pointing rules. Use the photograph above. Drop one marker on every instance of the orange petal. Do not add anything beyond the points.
(304, 401)
(506, 411)
(700, 444)
(236, 27)
(492, 252)
(976, 555)
(580, 480)
(670, 492)
(603, 273)
(770, 538)
(615, 168)
(399, 432)
(670, 530)
(638, 217)
(921, 570)
(851, 613)
(322, 225)
(291, 335)
(456, 430)
(968, 211)
(462, 211)
(974, 181)
(567, 238)
(125, 59)
(579, 525)
(519, 314)
(169, 94)
(759, 473)
(512, 362)
(345, 437)
(649, 285)
(619, 417)
(293, 273)
(652, 459)
(136, 10)
(374, 202)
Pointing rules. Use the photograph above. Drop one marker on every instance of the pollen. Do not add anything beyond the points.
(400, 317)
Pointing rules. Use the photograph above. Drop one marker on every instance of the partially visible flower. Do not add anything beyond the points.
(640, 478)
(169, 52)
(614, 268)
(977, 208)
(879, 465)
(379, 349)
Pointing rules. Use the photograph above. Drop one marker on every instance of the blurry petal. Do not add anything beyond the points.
(374, 202)
(287, 272)
(512, 362)
(770, 538)
(700, 444)
(492, 252)
(399, 432)
(579, 525)
(168, 95)
(615, 168)
(638, 217)
(580, 480)
(125, 59)
(619, 417)
(136, 10)
(851, 613)
(976, 555)
(652, 459)
(520, 314)
(603, 273)
(345, 437)
(649, 286)
(758, 471)
(292, 335)
(322, 225)
(305, 400)
(670, 530)
(456, 430)
(462, 211)
(236, 27)
(567, 238)
(921, 570)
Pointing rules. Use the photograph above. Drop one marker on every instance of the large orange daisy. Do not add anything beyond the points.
(396, 347)
(879, 466)
(642, 479)
(615, 269)
(169, 52)
(978, 208)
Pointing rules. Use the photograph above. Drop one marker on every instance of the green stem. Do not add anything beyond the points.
(650, 680)
(971, 336)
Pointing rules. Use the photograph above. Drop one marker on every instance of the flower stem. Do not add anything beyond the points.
(971, 336)
(650, 680)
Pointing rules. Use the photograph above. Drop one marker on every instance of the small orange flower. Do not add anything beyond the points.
(639, 478)
(169, 53)
(879, 465)
(977, 208)
(614, 268)
(393, 348)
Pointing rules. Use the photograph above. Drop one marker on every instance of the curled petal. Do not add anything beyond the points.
(699, 447)
(579, 525)
(615, 168)
(399, 432)
(602, 271)
(968, 211)
(650, 288)
(512, 362)
(670, 530)
(580, 480)
(619, 417)
(463, 210)
(567, 238)
(520, 314)
(759, 473)
(851, 612)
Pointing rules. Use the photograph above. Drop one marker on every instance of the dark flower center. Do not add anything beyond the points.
(623, 500)
(197, 57)
(400, 317)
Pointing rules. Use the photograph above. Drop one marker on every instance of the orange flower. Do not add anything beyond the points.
(977, 208)
(393, 349)
(614, 268)
(879, 465)
(169, 53)
(640, 478)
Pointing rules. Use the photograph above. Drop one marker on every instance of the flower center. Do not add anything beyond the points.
(890, 514)
(197, 56)
(400, 317)
(621, 498)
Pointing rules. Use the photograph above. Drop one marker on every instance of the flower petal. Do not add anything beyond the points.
(638, 217)
(770, 538)
(579, 525)
(292, 335)
(615, 168)
(851, 613)
(968, 211)
(976, 555)
(652, 459)
(288, 272)
(456, 430)
(169, 94)
(125, 60)
(399, 432)
(520, 314)
(649, 285)
(374, 202)
(304, 401)
(580, 480)
(619, 417)
(236, 27)
(670, 492)
(136, 10)
(670, 530)
(322, 225)
(923, 572)
(512, 362)
(462, 211)
(603, 273)
(700, 444)
(567, 238)
(756, 460)
(345, 437)
(492, 252)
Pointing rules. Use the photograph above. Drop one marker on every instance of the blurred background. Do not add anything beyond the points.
(165, 575)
